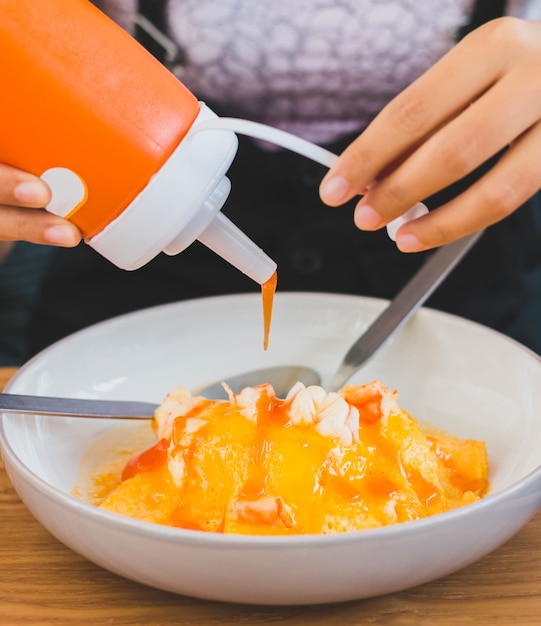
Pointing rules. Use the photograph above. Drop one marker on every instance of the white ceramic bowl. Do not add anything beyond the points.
(460, 376)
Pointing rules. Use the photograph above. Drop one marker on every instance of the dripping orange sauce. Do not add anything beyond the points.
(149, 460)
(268, 290)
(270, 411)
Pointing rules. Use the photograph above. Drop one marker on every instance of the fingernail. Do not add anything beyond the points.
(31, 192)
(366, 217)
(408, 243)
(61, 235)
(334, 190)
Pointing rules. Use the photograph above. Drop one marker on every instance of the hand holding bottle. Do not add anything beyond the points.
(22, 196)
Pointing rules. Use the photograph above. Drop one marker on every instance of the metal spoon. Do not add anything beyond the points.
(404, 305)
(76, 407)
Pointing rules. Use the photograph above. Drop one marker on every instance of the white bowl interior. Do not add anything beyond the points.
(461, 377)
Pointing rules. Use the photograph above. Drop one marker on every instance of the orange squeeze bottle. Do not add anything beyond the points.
(88, 109)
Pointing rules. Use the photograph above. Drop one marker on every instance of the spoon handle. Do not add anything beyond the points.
(403, 306)
(76, 407)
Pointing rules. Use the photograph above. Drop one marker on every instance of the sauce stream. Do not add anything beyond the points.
(268, 289)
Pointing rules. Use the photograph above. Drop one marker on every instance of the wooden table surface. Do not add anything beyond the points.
(43, 582)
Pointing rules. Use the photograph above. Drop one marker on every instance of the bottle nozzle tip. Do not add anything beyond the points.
(229, 242)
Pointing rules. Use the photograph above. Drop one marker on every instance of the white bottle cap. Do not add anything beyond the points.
(181, 203)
